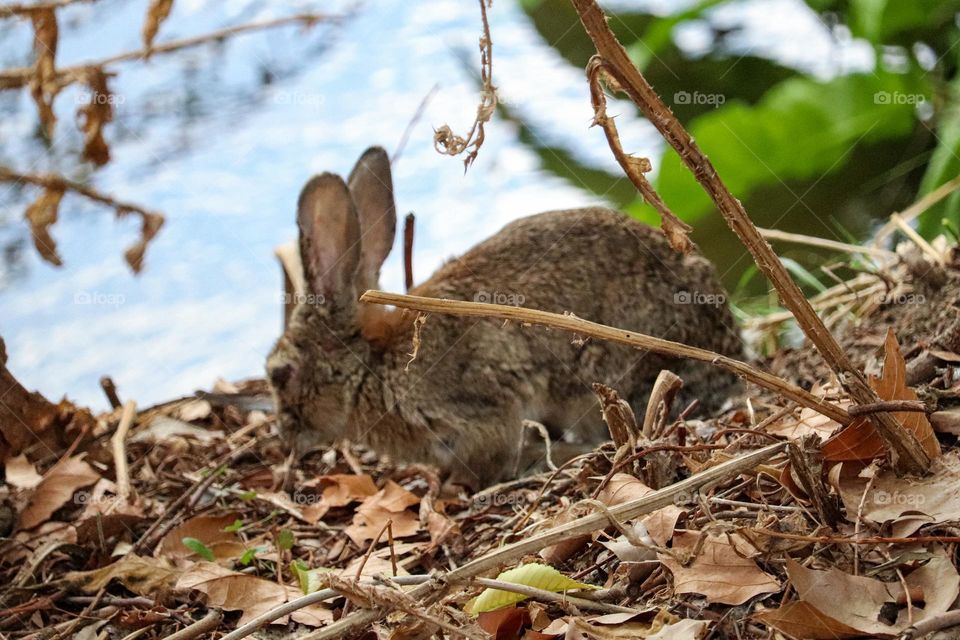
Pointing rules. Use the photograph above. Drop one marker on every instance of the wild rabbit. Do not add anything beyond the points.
(340, 370)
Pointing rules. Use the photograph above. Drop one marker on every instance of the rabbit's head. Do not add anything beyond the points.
(316, 369)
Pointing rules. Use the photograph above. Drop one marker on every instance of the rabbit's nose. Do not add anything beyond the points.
(280, 376)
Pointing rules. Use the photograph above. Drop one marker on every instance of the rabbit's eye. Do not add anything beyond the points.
(280, 376)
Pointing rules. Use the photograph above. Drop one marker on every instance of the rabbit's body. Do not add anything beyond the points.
(461, 402)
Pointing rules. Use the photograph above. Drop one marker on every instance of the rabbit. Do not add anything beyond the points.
(343, 369)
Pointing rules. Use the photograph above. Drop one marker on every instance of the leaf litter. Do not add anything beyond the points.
(217, 521)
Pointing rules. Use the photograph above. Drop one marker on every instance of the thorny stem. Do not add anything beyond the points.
(905, 449)
(586, 328)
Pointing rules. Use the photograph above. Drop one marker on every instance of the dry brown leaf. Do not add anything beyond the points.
(800, 619)
(44, 84)
(833, 598)
(157, 12)
(94, 114)
(150, 227)
(207, 529)
(56, 489)
(907, 503)
(339, 490)
(504, 623)
(621, 626)
(41, 214)
(144, 576)
(659, 524)
(809, 422)
(719, 572)
(388, 504)
(234, 591)
(860, 441)
(20, 473)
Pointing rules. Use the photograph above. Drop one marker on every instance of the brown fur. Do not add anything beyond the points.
(340, 370)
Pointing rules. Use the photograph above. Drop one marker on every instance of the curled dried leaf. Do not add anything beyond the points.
(151, 225)
(41, 214)
(93, 115)
(157, 12)
(44, 85)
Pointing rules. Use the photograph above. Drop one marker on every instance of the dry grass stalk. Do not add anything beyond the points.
(586, 328)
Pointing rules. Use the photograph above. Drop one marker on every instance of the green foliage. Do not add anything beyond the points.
(861, 143)
(199, 548)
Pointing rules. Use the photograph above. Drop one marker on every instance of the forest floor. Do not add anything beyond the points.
(187, 517)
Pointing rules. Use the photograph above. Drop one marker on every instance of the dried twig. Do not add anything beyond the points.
(409, 223)
(19, 77)
(24, 9)
(204, 625)
(57, 184)
(824, 243)
(444, 139)
(673, 227)
(586, 328)
(905, 450)
(119, 444)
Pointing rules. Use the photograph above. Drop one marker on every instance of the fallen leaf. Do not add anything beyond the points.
(20, 473)
(808, 423)
(164, 428)
(144, 576)
(907, 503)
(504, 624)
(390, 504)
(832, 603)
(253, 596)
(719, 572)
(802, 620)
(56, 489)
(539, 576)
(339, 490)
(207, 529)
(860, 440)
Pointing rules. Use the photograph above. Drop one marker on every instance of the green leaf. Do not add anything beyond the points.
(199, 548)
(801, 273)
(802, 129)
(309, 579)
(250, 554)
(235, 527)
(286, 540)
(944, 166)
(247, 496)
(880, 21)
(539, 576)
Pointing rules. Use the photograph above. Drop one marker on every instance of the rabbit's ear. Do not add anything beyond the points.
(371, 186)
(329, 238)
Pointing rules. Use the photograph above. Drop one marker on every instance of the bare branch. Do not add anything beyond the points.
(905, 450)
